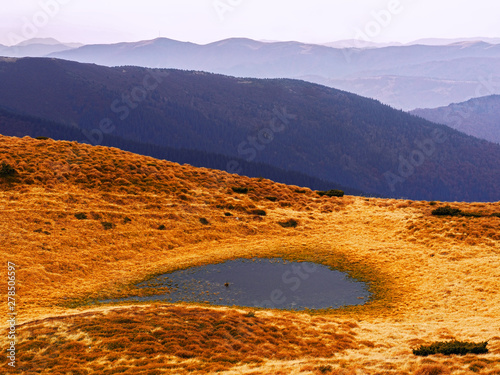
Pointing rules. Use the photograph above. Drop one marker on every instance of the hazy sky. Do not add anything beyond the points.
(204, 21)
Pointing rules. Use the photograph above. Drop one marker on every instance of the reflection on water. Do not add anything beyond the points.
(271, 283)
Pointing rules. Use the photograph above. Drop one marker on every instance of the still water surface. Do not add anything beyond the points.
(271, 283)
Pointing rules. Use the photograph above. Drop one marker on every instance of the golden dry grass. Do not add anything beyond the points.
(433, 278)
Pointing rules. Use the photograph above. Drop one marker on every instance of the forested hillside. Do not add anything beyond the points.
(325, 133)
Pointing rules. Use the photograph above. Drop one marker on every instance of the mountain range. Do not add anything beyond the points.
(37, 47)
(479, 117)
(292, 125)
(406, 77)
(424, 74)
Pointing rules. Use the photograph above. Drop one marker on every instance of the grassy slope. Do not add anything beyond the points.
(434, 278)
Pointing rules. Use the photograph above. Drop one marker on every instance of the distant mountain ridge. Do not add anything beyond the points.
(245, 53)
(423, 74)
(479, 117)
(37, 47)
(388, 74)
(360, 43)
(291, 125)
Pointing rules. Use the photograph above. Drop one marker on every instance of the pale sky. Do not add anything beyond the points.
(205, 21)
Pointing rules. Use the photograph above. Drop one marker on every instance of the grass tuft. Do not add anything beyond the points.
(451, 347)
(240, 190)
(331, 193)
(106, 225)
(6, 170)
(291, 223)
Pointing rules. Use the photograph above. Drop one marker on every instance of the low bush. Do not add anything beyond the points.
(331, 193)
(42, 231)
(451, 347)
(471, 214)
(240, 190)
(107, 225)
(325, 369)
(449, 211)
(6, 170)
(258, 212)
(446, 211)
(300, 191)
(162, 227)
(81, 216)
(291, 223)
(204, 221)
(272, 199)
(42, 138)
(432, 370)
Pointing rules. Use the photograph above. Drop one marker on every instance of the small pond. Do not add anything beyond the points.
(269, 283)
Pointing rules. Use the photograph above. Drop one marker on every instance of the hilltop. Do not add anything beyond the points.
(85, 222)
(478, 117)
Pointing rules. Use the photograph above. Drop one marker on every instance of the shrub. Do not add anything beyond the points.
(325, 368)
(449, 211)
(496, 214)
(228, 214)
(162, 227)
(259, 212)
(185, 354)
(96, 215)
(432, 203)
(81, 216)
(240, 190)
(432, 370)
(41, 231)
(204, 221)
(126, 219)
(471, 214)
(331, 193)
(477, 366)
(107, 225)
(300, 191)
(451, 347)
(272, 199)
(42, 138)
(6, 170)
(446, 211)
(291, 223)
